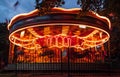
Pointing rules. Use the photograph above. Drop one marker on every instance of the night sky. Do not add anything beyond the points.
(9, 10)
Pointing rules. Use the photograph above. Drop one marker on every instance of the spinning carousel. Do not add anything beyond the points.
(57, 35)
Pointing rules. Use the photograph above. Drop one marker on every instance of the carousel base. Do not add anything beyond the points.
(59, 67)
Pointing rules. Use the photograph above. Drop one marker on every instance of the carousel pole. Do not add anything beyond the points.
(68, 69)
(109, 55)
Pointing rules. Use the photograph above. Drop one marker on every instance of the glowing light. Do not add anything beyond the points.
(22, 34)
(82, 26)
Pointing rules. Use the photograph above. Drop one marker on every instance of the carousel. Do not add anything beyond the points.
(57, 36)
